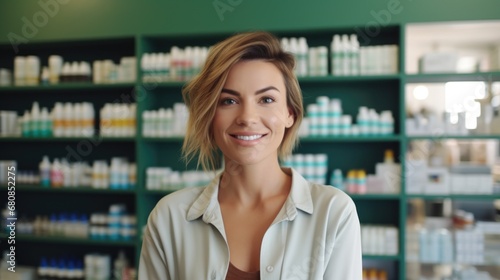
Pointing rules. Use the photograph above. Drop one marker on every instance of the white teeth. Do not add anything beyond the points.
(249, 138)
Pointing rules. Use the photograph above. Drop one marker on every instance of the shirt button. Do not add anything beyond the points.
(269, 268)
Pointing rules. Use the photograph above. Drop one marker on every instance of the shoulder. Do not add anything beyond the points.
(332, 194)
(330, 199)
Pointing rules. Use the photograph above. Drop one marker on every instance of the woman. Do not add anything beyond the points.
(256, 220)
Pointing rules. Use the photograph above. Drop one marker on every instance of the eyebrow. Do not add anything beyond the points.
(234, 92)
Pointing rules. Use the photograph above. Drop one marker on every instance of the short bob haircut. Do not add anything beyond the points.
(202, 93)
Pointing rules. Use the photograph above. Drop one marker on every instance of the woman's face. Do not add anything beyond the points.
(252, 113)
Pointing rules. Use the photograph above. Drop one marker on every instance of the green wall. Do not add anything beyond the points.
(78, 19)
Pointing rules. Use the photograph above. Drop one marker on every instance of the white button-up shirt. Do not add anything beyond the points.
(316, 235)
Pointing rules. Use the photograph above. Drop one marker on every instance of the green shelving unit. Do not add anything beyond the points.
(149, 151)
(163, 139)
(385, 92)
(458, 137)
(438, 78)
(159, 192)
(454, 196)
(382, 257)
(28, 151)
(361, 197)
(169, 85)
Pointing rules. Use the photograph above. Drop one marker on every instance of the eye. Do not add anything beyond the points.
(267, 100)
(227, 101)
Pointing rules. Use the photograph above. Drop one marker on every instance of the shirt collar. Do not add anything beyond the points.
(299, 198)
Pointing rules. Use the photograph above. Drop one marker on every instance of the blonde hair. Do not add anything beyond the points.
(202, 92)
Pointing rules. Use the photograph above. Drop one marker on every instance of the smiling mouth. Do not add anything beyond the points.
(248, 137)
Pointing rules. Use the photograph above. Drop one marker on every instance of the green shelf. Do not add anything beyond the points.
(163, 85)
(375, 196)
(452, 77)
(37, 188)
(162, 139)
(443, 137)
(485, 264)
(382, 257)
(67, 86)
(66, 139)
(454, 196)
(159, 192)
(73, 241)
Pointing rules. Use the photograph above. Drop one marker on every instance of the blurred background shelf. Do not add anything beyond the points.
(70, 241)
(79, 189)
(452, 77)
(66, 87)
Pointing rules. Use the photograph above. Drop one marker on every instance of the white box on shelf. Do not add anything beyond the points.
(476, 184)
(416, 176)
(411, 126)
(488, 227)
(438, 62)
(495, 57)
(471, 179)
(437, 180)
(375, 184)
(470, 184)
(391, 240)
(391, 173)
(462, 184)
(487, 183)
(468, 64)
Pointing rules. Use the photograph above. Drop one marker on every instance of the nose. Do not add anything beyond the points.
(248, 114)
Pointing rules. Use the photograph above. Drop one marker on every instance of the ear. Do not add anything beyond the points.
(290, 120)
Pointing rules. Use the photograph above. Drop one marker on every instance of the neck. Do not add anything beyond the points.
(252, 184)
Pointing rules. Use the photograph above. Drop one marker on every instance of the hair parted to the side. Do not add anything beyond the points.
(201, 94)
